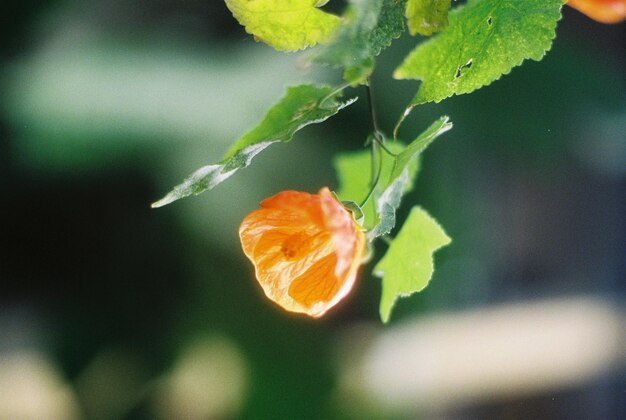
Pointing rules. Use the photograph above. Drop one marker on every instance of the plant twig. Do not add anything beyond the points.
(374, 181)
(381, 143)
(370, 103)
(405, 114)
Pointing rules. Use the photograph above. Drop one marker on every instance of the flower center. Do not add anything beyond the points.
(293, 244)
(300, 244)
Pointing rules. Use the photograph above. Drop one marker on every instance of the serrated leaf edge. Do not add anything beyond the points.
(397, 74)
(380, 273)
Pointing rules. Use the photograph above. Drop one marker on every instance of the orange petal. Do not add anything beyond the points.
(605, 11)
(317, 286)
(305, 248)
(338, 221)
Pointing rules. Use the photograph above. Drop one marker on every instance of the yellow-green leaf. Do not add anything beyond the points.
(354, 176)
(408, 264)
(427, 16)
(286, 25)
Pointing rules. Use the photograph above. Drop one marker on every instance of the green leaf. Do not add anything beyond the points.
(387, 204)
(368, 27)
(354, 173)
(395, 185)
(407, 267)
(390, 26)
(420, 144)
(301, 106)
(485, 39)
(427, 16)
(286, 25)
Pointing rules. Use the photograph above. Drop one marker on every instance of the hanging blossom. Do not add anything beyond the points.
(605, 11)
(306, 249)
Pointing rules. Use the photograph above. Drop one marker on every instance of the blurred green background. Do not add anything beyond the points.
(111, 310)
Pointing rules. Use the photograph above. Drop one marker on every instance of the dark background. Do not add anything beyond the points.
(109, 309)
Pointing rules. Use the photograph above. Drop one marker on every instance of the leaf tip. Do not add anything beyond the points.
(163, 202)
(446, 124)
(398, 74)
(384, 316)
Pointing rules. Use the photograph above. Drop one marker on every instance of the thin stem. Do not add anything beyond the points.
(405, 114)
(385, 148)
(373, 161)
(370, 103)
(377, 139)
(378, 173)
(377, 135)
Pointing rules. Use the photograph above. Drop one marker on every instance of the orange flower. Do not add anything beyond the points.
(305, 248)
(605, 11)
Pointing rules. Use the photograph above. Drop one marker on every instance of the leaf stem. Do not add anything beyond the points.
(382, 145)
(372, 160)
(370, 103)
(405, 114)
(374, 182)
(377, 134)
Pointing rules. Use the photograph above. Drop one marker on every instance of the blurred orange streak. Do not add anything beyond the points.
(605, 11)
